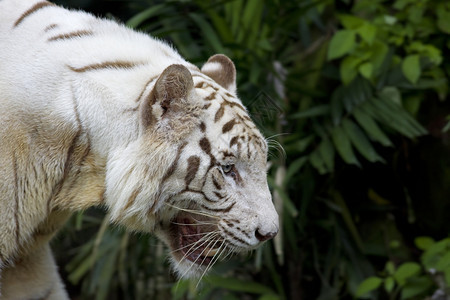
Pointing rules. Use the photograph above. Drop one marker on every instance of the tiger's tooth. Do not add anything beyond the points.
(210, 252)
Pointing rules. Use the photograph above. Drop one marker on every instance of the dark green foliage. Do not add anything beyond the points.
(355, 93)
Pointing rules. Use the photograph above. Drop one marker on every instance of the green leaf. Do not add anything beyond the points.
(342, 43)
(371, 127)
(343, 145)
(443, 21)
(367, 32)
(239, 285)
(405, 271)
(389, 284)
(136, 20)
(391, 93)
(314, 111)
(360, 141)
(287, 202)
(317, 162)
(336, 106)
(180, 289)
(415, 287)
(424, 242)
(411, 68)
(368, 285)
(299, 145)
(434, 54)
(351, 22)
(415, 14)
(349, 68)
(269, 297)
(431, 256)
(447, 276)
(403, 117)
(348, 219)
(444, 262)
(208, 32)
(251, 20)
(394, 116)
(379, 51)
(293, 169)
(366, 70)
(390, 268)
(326, 151)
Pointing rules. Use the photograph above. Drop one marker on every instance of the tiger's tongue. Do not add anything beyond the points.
(191, 233)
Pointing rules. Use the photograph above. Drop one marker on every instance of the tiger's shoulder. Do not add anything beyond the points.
(76, 39)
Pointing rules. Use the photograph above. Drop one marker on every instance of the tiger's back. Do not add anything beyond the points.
(94, 113)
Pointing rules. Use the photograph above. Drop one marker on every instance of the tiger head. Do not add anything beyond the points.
(196, 174)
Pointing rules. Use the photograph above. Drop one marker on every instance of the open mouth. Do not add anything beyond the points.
(195, 238)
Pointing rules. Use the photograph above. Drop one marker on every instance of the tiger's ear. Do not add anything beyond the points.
(222, 70)
(168, 96)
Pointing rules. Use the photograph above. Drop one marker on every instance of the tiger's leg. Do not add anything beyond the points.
(34, 277)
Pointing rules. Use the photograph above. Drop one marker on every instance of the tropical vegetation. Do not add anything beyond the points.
(353, 97)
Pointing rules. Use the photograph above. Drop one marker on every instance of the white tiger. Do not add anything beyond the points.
(93, 113)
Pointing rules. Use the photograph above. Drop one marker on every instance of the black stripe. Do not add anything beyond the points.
(106, 65)
(218, 195)
(192, 169)
(219, 113)
(216, 184)
(174, 165)
(233, 104)
(32, 10)
(202, 127)
(224, 210)
(188, 190)
(243, 232)
(234, 236)
(211, 97)
(234, 140)
(70, 35)
(50, 27)
(68, 163)
(228, 126)
(145, 87)
(205, 145)
(132, 198)
(58, 186)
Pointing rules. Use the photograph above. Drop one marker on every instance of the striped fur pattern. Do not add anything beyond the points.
(96, 114)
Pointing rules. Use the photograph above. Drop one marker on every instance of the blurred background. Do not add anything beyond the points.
(353, 97)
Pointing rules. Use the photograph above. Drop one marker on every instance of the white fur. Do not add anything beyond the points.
(49, 110)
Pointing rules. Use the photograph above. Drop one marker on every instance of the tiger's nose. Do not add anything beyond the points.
(264, 236)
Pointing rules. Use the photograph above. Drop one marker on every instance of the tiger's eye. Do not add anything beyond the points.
(227, 168)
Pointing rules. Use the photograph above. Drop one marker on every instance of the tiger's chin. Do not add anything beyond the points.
(195, 244)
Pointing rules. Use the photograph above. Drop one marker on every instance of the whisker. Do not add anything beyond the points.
(194, 248)
(185, 257)
(203, 242)
(211, 263)
(190, 246)
(210, 235)
(193, 211)
(209, 247)
(229, 253)
(198, 234)
(276, 145)
(192, 224)
(276, 135)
